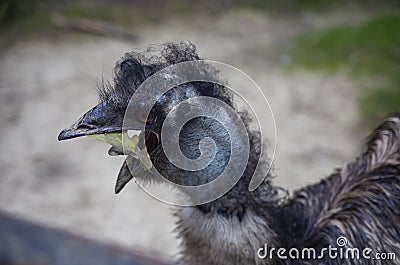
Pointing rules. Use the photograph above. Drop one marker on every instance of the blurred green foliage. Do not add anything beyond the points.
(11, 10)
(371, 54)
(295, 6)
(22, 11)
(287, 5)
(116, 13)
(22, 18)
(129, 14)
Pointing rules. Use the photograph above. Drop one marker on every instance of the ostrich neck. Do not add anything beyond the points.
(230, 229)
(238, 200)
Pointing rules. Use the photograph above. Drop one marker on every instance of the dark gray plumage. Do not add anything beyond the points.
(360, 201)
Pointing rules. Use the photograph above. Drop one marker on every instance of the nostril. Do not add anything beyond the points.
(85, 127)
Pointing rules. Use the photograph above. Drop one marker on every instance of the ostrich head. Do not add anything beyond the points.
(108, 117)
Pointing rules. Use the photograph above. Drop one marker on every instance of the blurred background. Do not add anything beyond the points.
(330, 70)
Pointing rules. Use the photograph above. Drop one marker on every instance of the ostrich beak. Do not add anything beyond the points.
(130, 168)
(99, 120)
(104, 123)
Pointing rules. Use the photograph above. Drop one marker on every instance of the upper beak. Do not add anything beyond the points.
(100, 119)
(79, 128)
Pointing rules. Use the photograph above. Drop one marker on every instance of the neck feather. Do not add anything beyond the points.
(231, 229)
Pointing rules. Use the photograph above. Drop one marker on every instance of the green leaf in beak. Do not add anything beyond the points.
(127, 145)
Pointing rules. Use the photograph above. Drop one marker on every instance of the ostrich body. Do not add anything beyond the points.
(359, 201)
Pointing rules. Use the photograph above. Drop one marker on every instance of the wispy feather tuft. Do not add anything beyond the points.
(135, 67)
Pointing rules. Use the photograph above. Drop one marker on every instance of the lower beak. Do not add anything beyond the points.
(130, 169)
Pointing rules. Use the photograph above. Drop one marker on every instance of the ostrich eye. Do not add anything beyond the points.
(149, 118)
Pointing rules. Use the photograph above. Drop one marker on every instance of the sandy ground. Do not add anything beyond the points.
(47, 84)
